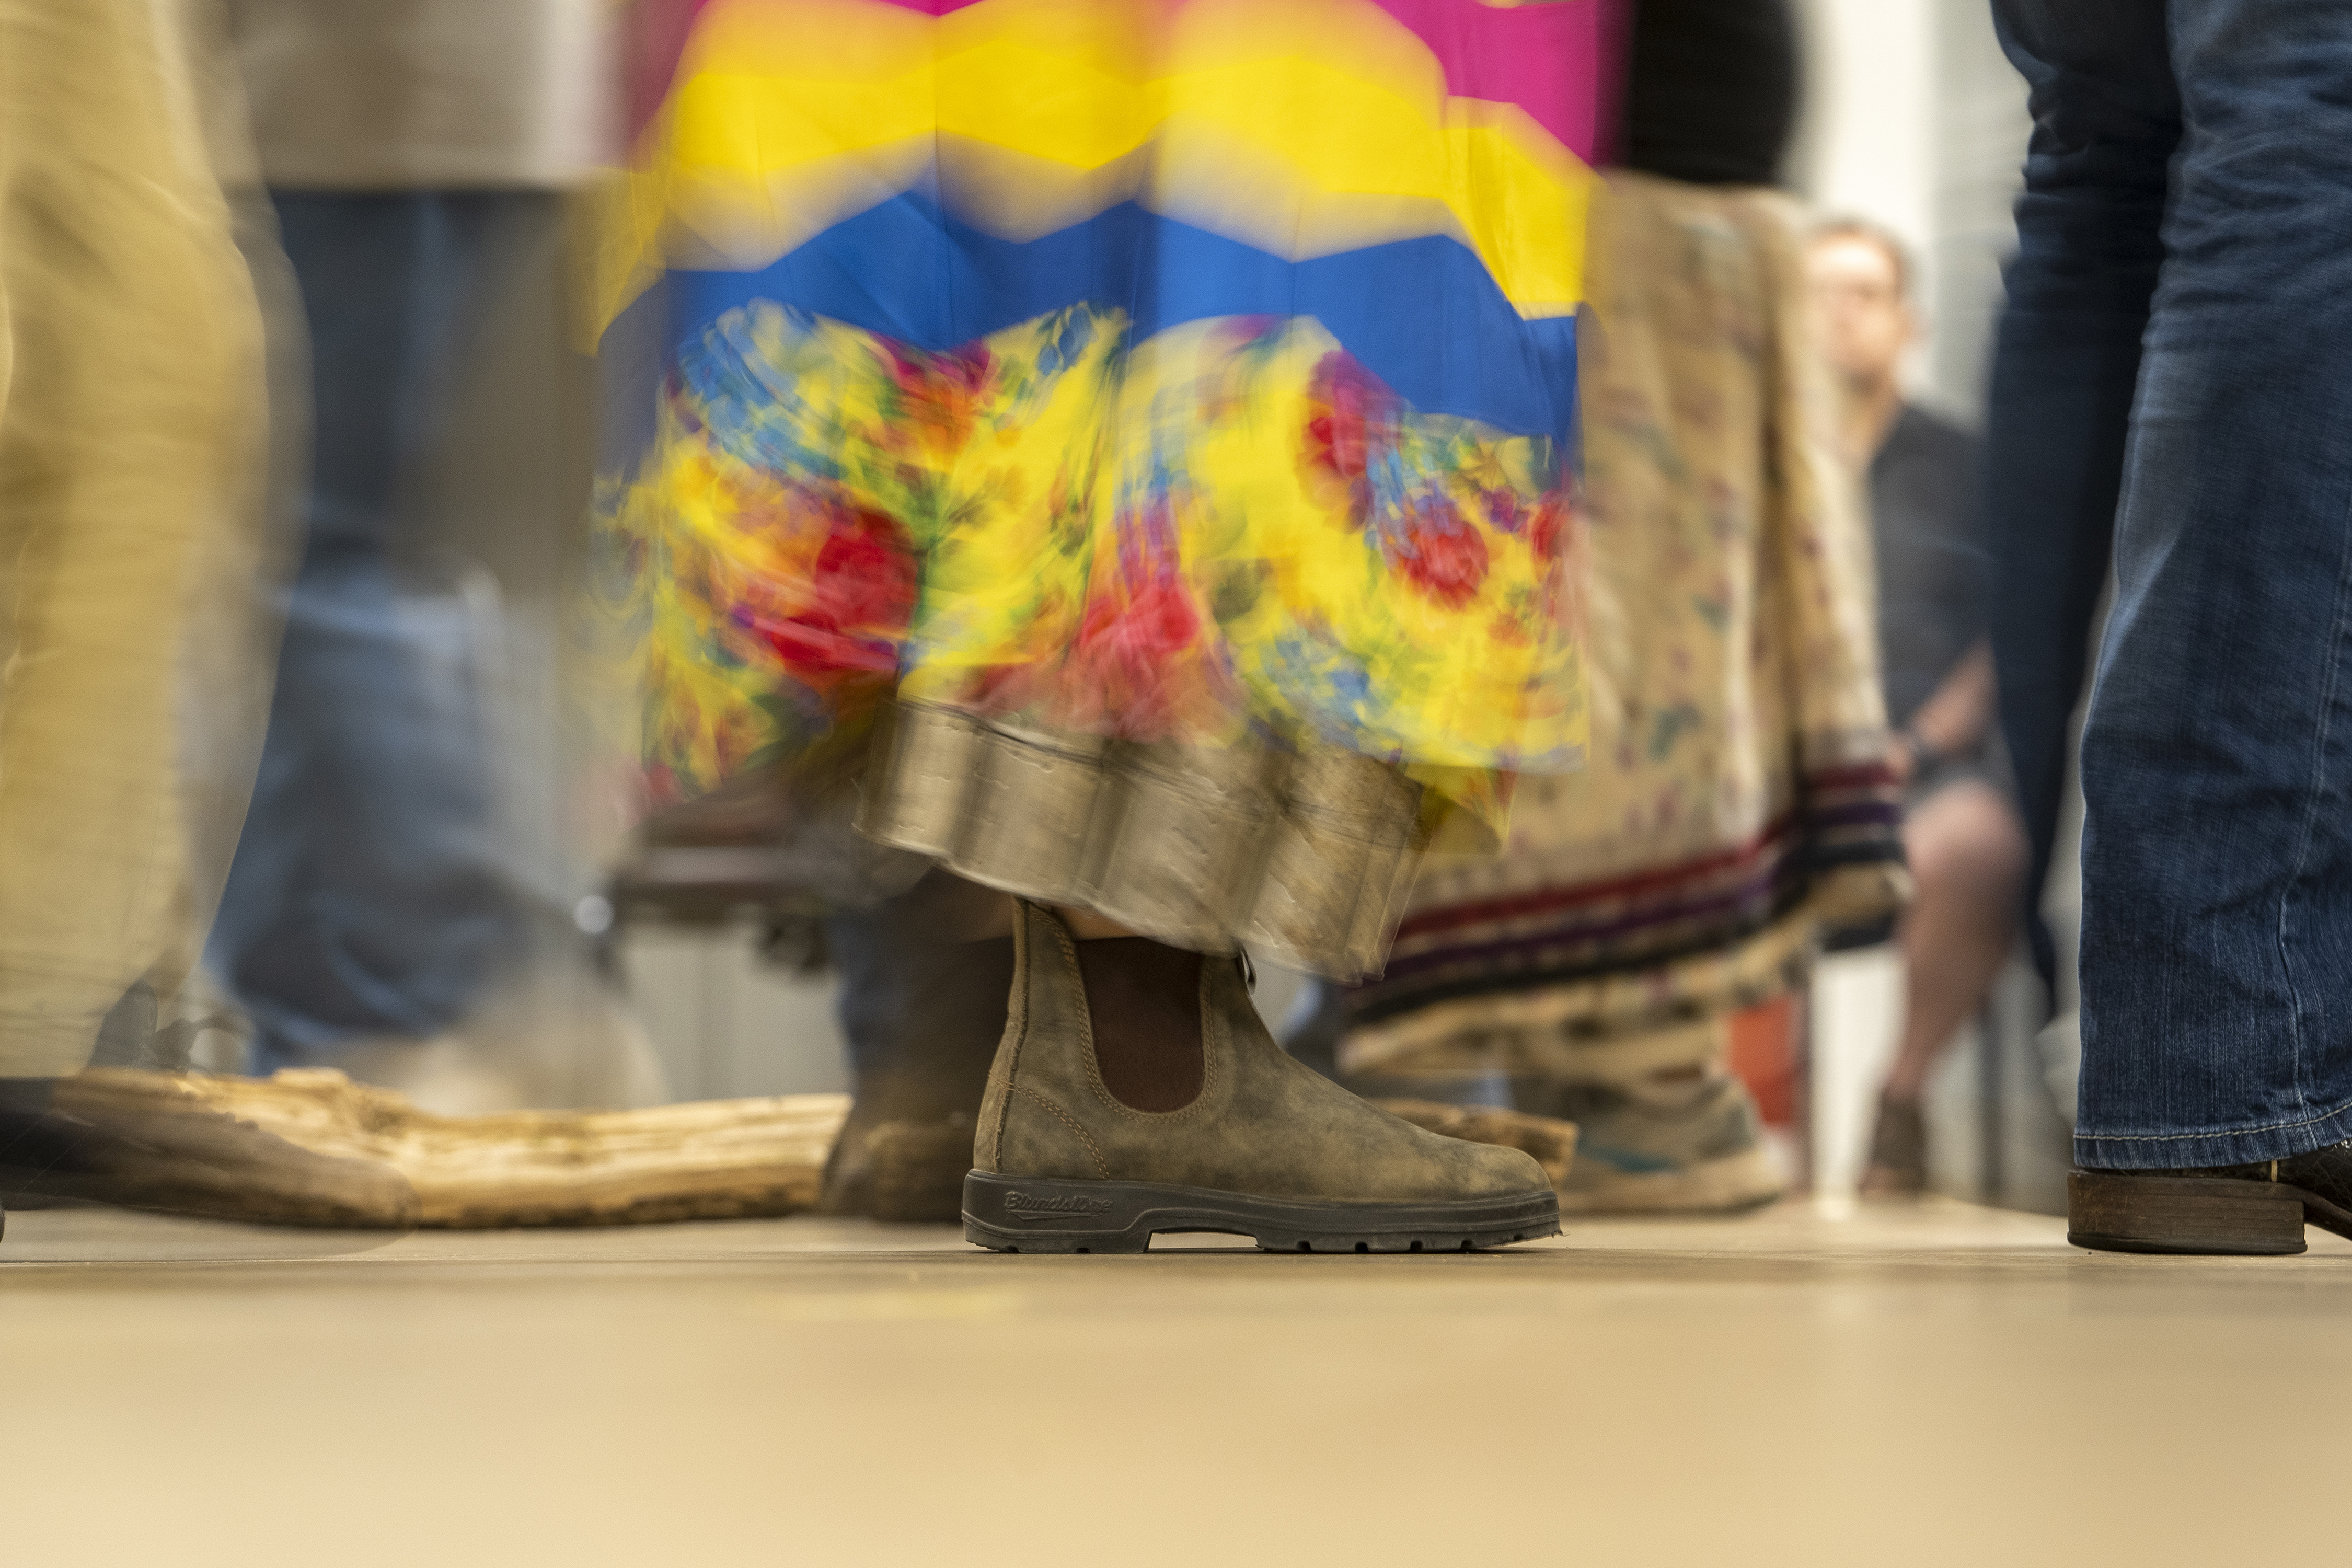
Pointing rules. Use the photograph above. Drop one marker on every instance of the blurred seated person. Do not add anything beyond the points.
(1962, 835)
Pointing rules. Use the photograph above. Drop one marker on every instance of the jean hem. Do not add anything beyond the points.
(2183, 1151)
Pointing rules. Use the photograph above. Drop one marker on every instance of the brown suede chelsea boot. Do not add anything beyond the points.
(1268, 1148)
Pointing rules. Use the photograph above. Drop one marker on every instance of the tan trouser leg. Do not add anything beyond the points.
(130, 402)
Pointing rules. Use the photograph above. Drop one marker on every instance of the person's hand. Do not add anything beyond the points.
(1902, 755)
(1909, 756)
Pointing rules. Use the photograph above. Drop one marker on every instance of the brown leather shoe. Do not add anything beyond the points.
(2255, 1210)
(1269, 1148)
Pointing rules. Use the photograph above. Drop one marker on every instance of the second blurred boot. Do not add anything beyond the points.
(923, 1005)
(1664, 1127)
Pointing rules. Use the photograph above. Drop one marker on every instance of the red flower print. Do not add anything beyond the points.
(857, 602)
(1135, 653)
(1154, 624)
(1555, 517)
(1558, 540)
(865, 573)
(1337, 441)
(1352, 414)
(1440, 551)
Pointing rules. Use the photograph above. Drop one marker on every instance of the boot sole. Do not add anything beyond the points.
(2119, 1211)
(1012, 1214)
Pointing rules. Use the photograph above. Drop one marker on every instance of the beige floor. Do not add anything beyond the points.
(1923, 1387)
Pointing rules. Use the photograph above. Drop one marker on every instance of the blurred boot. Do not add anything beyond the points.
(921, 1057)
(1664, 1127)
(1137, 1091)
(1680, 1146)
(915, 1169)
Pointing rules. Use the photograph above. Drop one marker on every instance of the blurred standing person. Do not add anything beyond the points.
(2182, 275)
(132, 408)
(1737, 802)
(1039, 458)
(407, 146)
(1960, 833)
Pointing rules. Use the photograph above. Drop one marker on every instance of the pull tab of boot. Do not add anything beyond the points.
(1249, 970)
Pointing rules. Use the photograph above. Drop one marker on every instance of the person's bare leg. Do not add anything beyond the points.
(1968, 856)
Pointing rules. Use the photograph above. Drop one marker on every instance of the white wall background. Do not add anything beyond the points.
(1867, 145)
(1915, 121)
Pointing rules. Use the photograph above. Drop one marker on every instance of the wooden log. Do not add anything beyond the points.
(719, 1159)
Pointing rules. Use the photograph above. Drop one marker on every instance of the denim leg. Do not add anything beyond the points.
(868, 956)
(2217, 868)
(369, 896)
(2106, 120)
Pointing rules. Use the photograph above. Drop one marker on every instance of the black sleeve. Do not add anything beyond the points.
(1711, 94)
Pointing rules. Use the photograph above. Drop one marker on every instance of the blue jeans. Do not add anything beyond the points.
(2181, 317)
(369, 896)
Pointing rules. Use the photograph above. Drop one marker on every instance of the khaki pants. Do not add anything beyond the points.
(132, 420)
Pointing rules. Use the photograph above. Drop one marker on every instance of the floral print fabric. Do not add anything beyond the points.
(1737, 801)
(1230, 533)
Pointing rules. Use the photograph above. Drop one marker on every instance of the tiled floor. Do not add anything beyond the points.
(1904, 1387)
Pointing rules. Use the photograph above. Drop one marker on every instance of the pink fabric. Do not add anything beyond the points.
(653, 39)
(1540, 57)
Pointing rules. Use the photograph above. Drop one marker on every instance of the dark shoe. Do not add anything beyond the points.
(1268, 1149)
(896, 1164)
(2245, 1211)
(929, 1101)
(1663, 1144)
(135, 1139)
(1899, 1151)
(917, 1170)
(1549, 1141)
(846, 1188)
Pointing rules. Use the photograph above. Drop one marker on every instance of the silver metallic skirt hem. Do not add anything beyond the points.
(1304, 856)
